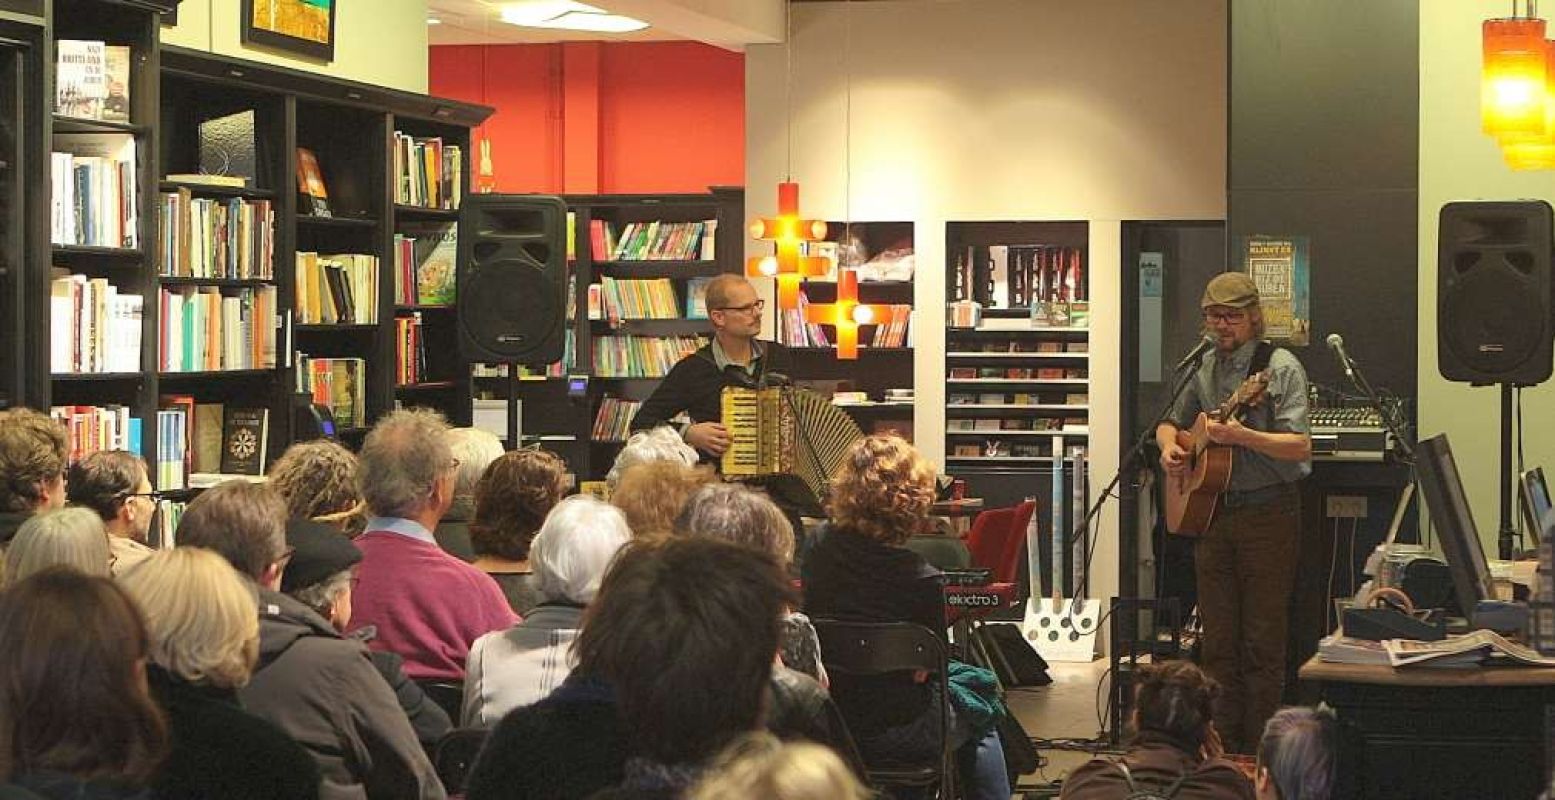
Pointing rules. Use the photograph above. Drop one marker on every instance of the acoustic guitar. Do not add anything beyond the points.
(1191, 497)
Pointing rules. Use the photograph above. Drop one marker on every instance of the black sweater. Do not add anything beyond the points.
(694, 386)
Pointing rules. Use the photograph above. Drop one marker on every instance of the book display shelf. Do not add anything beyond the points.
(883, 255)
(185, 282)
(1017, 360)
(637, 264)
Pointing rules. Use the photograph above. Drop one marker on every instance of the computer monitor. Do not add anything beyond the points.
(1454, 523)
(1537, 509)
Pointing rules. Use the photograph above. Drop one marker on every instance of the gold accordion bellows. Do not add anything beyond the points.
(785, 431)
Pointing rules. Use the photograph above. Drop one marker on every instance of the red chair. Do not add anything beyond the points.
(996, 541)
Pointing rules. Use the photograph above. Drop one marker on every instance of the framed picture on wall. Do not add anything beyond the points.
(303, 27)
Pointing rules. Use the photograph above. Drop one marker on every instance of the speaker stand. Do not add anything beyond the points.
(1504, 549)
(513, 442)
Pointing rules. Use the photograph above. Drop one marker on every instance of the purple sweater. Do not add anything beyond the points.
(428, 606)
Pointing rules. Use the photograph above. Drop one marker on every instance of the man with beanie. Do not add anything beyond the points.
(1246, 560)
(319, 576)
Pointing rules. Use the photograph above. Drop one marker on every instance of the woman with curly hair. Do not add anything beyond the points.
(512, 499)
(652, 494)
(861, 570)
(318, 481)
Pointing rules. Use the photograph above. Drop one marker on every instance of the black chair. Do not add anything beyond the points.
(879, 648)
(448, 695)
(456, 755)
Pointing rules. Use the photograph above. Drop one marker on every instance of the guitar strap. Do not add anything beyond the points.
(1261, 355)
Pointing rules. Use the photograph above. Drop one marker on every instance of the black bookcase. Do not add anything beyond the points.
(23, 207)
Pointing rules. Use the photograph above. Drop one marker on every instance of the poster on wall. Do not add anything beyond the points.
(1279, 267)
(302, 27)
(1152, 284)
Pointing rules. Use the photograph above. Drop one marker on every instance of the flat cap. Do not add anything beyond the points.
(1232, 289)
(321, 551)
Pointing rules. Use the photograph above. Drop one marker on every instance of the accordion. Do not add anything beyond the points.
(785, 431)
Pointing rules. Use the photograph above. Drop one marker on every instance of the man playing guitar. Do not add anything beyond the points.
(1246, 559)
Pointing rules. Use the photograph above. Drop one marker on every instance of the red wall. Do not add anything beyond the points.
(596, 118)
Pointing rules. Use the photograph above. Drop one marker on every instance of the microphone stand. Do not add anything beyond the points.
(1358, 379)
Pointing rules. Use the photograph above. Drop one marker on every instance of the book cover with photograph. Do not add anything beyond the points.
(435, 250)
(80, 78)
(312, 196)
(696, 298)
(116, 78)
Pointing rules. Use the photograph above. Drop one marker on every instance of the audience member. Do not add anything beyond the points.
(68, 537)
(1174, 747)
(203, 625)
(860, 570)
(317, 479)
(32, 467)
(655, 444)
(761, 765)
(474, 449)
(317, 686)
(76, 719)
(673, 662)
(114, 484)
(521, 665)
(1298, 756)
(319, 576)
(511, 501)
(653, 494)
(427, 605)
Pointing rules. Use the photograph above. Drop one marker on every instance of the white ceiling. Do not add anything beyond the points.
(730, 24)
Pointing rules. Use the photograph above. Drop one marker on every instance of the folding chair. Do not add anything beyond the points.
(455, 756)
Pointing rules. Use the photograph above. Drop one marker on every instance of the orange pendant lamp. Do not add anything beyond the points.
(847, 314)
(1513, 79)
(788, 233)
(1524, 152)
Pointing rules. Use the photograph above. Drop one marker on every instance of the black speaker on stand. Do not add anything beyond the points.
(1494, 300)
(512, 289)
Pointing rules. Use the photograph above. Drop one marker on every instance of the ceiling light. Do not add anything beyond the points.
(568, 15)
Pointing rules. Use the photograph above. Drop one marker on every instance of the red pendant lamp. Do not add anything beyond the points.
(788, 233)
(847, 314)
(1513, 78)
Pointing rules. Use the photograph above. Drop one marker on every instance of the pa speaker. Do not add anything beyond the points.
(1494, 292)
(512, 278)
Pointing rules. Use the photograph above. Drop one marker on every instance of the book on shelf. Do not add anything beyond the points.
(92, 326)
(1004, 276)
(572, 235)
(696, 297)
(185, 405)
(229, 148)
(613, 422)
(172, 466)
(640, 356)
(653, 241)
(202, 237)
(204, 179)
(80, 77)
(410, 355)
(338, 384)
(245, 438)
(652, 298)
(89, 429)
(427, 171)
(208, 328)
(339, 289)
(312, 194)
(116, 83)
(425, 263)
(94, 199)
(206, 444)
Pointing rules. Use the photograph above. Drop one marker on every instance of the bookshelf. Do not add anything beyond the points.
(1017, 369)
(23, 199)
(640, 329)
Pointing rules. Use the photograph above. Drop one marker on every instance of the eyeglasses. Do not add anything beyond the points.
(154, 496)
(1224, 317)
(748, 308)
(286, 558)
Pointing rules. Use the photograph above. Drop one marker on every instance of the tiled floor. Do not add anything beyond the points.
(1067, 709)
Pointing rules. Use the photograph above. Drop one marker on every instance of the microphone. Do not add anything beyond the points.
(1206, 344)
(1336, 343)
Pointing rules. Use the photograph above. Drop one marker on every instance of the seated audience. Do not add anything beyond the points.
(761, 765)
(317, 686)
(114, 484)
(32, 467)
(474, 449)
(655, 444)
(319, 575)
(1174, 744)
(653, 494)
(427, 605)
(859, 570)
(526, 662)
(76, 718)
(317, 479)
(511, 501)
(203, 625)
(674, 659)
(1298, 755)
(70, 537)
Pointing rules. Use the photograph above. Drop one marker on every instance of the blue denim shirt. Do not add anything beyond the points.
(1283, 410)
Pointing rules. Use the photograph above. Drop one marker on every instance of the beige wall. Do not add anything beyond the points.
(381, 42)
(1458, 162)
(1000, 110)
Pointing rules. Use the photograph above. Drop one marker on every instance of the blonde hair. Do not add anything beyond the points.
(653, 494)
(883, 490)
(318, 479)
(201, 615)
(73, 537)
(759, 765)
